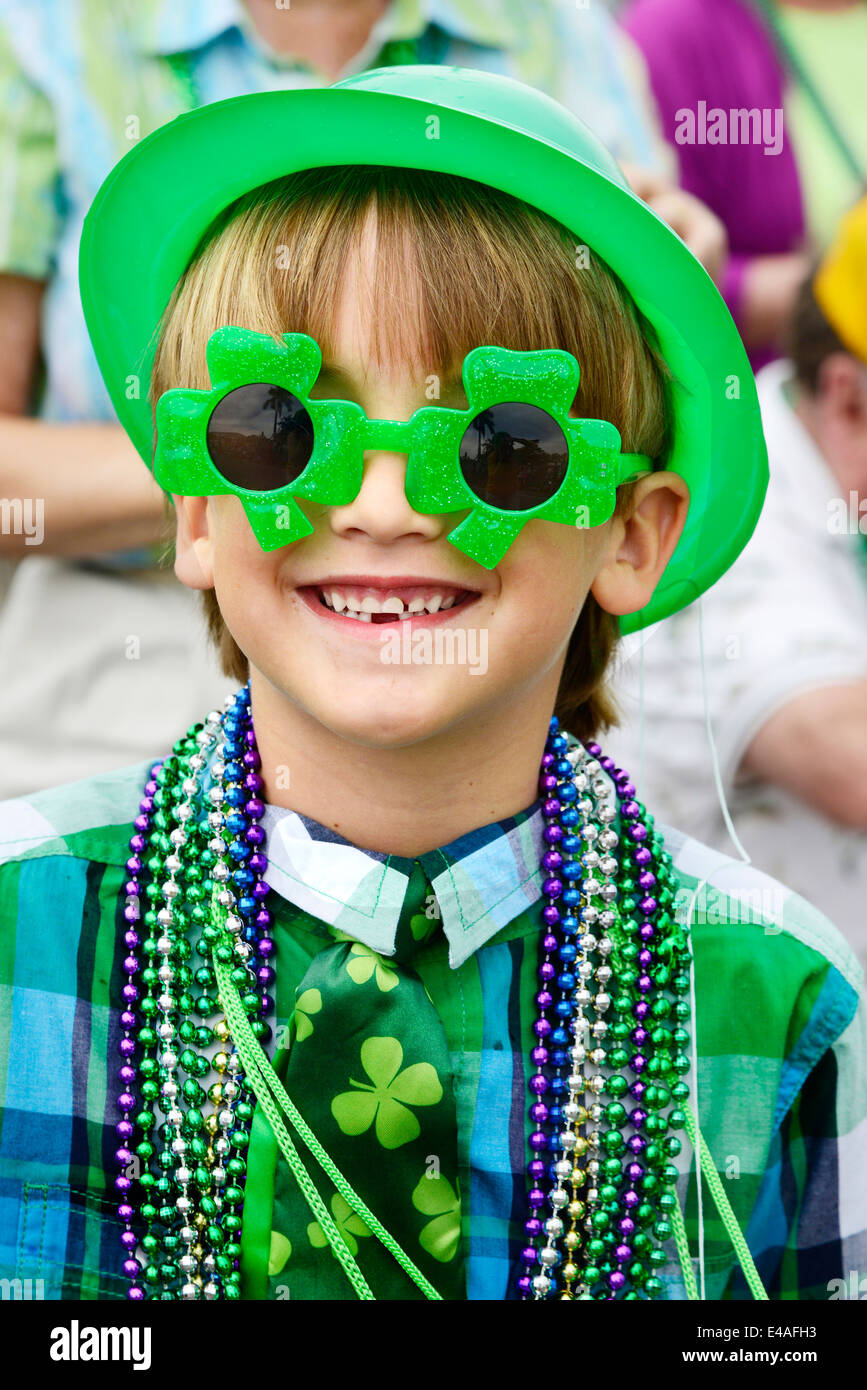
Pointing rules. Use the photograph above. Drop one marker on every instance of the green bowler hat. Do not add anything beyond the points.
(151, 211)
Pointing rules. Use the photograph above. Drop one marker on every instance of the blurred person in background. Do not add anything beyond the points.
(96, 637)
(780, 179)
(784, 631)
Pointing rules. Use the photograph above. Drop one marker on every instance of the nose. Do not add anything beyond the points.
(381, 510)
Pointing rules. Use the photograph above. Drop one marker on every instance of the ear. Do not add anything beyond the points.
(640, 545)
(193, 548)
(840, 387)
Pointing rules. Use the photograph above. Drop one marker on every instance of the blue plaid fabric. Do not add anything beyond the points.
(781, 1037)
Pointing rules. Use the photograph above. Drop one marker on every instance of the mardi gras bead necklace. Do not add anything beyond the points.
(614, 972)
(190, 1243)
(610, 1024)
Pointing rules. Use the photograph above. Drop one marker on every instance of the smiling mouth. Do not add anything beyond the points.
(366, 604)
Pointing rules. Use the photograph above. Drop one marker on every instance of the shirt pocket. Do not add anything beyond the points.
(68, 1244)
(717, 1273)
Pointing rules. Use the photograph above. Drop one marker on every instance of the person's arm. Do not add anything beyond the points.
(815, 747)
(96, 493)
(695, 54)
(764, 297)
(20, 300)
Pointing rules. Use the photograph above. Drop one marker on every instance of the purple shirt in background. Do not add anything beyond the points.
(719, 52)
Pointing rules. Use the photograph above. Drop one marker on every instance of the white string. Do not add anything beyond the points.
(733, 835)
(720, 791)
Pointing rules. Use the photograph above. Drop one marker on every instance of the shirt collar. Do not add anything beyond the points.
(481, 881)
(177, 26)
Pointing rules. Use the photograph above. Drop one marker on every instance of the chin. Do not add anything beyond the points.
(394, 718)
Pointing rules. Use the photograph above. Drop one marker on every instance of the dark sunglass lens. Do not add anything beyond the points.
(260, 437)
(514, 456)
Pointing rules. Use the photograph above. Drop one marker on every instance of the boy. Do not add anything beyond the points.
(382, 917)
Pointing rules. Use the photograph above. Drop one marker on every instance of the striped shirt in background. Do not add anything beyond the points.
(80, 83)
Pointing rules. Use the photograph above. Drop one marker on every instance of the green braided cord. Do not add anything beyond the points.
(231, 1001)
(682, 1245)
(338, 1245)
(730, 1221)
(251, 1051)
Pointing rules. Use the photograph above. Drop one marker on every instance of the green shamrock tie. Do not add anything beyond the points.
(368, 1068)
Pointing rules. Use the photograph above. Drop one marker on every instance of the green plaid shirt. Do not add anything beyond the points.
(781, 1088)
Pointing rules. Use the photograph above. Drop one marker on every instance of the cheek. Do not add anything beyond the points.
(247, 578)
(546, 576)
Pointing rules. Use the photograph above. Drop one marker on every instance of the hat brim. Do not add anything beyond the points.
(151, 211)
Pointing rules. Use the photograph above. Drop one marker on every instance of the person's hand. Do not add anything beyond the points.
(770, 288)
(701, 229)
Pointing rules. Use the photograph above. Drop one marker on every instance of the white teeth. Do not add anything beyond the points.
(375, 605)
(352, 605)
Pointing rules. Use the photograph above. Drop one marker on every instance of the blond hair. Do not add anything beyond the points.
(463, 264)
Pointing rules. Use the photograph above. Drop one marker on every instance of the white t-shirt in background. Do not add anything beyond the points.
(788, 617)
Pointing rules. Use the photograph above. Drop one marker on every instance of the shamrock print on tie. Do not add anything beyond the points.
(348, 1223)
(310, 1002)
(435, 1197)
(365, 962)
(388, 1099)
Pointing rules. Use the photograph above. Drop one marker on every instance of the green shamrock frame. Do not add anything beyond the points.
(430, 439)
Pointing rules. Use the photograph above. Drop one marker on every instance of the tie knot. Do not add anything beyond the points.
(419, 917)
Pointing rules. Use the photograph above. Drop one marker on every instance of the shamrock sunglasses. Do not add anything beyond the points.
(513, 455)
